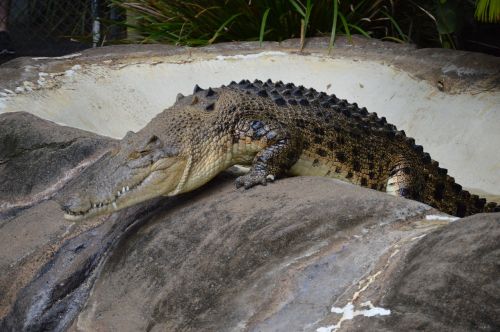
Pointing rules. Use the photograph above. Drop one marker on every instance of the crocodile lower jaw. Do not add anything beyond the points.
(103, 207)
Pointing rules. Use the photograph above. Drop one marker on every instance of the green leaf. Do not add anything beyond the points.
(218, 32)
(263, 25)
(334, 25)
(346, 27)
(488, 11)
(360, 30)
(298, 8)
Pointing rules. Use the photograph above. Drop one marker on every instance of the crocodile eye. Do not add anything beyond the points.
(153, 140)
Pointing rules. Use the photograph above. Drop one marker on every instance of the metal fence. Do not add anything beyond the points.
(54, 27)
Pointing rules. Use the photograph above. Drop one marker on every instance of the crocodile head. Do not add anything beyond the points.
(140, 168)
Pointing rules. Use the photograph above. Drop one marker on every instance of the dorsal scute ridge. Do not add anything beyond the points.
(289, 94)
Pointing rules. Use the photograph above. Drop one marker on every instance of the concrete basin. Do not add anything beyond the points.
(449, 101)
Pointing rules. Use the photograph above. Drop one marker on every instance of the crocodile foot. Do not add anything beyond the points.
(252, 179)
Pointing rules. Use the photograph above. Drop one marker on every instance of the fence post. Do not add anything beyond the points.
(96, 24)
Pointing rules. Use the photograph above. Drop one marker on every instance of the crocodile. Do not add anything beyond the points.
(276, 128)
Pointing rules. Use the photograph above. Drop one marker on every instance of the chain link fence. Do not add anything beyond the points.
(54, 27)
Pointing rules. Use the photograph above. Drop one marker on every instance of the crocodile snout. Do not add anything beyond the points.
(76, 204)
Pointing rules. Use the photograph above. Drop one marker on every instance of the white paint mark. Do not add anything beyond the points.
(250, 56)
(349, 313)
(368, 281)
(445, 218)
(69, 56)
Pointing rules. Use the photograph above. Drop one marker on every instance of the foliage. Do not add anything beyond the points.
(428, 23)
(488, 10)
(208, 21)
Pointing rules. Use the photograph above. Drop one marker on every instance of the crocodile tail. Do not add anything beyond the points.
(442, 192)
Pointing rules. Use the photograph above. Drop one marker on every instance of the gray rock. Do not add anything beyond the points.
(450, 280)
(268, 259)
(38, 156)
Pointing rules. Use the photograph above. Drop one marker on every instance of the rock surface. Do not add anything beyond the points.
(38, 156)
(300, 254)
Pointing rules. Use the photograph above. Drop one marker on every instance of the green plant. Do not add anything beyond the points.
(208, 21)
(488, 10)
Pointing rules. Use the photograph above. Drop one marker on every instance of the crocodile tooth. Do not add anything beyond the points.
(210, 92)
(118, 193)
(114, 205)
(197, 89)
(123, 189)
(262, 93)
(210, 107)
(127, 188)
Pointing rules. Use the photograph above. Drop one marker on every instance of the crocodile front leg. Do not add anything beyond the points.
(279, 152)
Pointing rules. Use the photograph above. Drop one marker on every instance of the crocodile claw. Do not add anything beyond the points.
(250, 180)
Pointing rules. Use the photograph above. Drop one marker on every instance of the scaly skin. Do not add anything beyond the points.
(279, 129)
